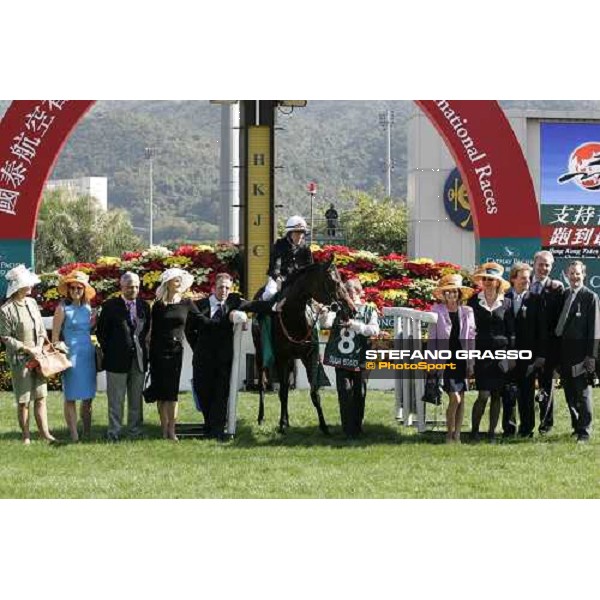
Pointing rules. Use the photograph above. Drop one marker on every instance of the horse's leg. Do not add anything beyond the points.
(283, 373)
(310, 363)
(261, 394)
(258, 361)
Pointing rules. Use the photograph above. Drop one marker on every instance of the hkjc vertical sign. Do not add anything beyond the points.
(32, 134)
(258, 207)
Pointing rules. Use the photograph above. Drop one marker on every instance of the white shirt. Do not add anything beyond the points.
(214, 304)
(498, 302)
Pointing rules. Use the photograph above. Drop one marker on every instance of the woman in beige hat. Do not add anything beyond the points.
(169, 315)
(454, 330)
(494, 332)
(73, 322)
(23, 333)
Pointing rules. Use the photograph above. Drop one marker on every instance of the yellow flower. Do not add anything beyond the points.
(342, 259)
(423, 261)
(109, 260)
(177, 261)
(51, 294)
(151, 278)
(204, 248)
(369, 278)
(395, 294)
(314, 247)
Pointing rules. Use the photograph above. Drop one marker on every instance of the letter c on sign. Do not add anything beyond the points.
(593, 281)
(258, 250)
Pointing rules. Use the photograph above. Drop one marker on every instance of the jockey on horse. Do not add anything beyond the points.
(290, 253)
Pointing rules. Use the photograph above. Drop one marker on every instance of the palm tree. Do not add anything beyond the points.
(76, 229)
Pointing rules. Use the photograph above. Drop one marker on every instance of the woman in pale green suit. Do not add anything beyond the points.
(23, 333)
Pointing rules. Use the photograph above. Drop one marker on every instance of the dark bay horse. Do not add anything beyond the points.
(292, 334)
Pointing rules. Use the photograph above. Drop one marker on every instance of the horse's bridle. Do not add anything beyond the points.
(305, 339)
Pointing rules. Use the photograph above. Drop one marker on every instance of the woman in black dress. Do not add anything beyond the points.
(169, 314)
(493, 320)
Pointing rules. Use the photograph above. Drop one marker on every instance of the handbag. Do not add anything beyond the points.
(433, 390)
(147, 393)
(51, 361)
(99, 359)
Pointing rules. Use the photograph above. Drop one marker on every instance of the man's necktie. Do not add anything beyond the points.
(131, 309)
(517, 303)
(218, 313)
(536, 288)
(564, 314)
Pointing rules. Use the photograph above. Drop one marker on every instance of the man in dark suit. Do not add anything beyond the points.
(550, 292)
(530, 334)
(209, 332)
(332, 218)
(123, 325)
(578, 330)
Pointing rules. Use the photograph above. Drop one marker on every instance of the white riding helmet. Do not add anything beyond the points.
(296, 223)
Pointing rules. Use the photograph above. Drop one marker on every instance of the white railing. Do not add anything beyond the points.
(409, 389)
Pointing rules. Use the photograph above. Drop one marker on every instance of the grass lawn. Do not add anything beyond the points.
(389, 462)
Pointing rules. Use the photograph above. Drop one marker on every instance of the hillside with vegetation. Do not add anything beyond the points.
(338, 144)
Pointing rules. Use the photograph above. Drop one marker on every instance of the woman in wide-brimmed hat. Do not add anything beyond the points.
(169, 315)
(454, 330)
(23, 333)
(493, 319)
(73, 321)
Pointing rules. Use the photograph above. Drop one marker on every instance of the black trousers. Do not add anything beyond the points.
(519, 395)
(547, 385)
(211, 384)
(352, 392)
(579, 400)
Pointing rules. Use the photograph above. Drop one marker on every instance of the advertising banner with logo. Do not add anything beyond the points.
(570, 194)
(13, 253)
(456, 201)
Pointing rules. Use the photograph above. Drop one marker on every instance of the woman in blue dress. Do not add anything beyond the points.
(73, 321)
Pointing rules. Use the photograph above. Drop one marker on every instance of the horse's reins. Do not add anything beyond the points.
(304, 340)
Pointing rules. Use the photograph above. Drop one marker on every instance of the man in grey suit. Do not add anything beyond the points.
(123, 325)
(578, 330)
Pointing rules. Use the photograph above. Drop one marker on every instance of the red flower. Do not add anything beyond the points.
(188, 251)
(76, 266)
(394, 257)
(419, 304)
(130, 255)
(206, 260)
(395, 284)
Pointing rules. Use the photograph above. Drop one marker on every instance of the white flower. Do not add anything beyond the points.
(157, 252)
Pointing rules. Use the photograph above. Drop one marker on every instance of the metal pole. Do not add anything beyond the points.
(312, 221)
(389, 154)
(150, 153)
(386, 120)
(151, 204)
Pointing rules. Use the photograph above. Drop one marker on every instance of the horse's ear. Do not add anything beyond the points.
(329, 262)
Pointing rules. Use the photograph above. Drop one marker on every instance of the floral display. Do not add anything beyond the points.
(390, 280)
(202, 261)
